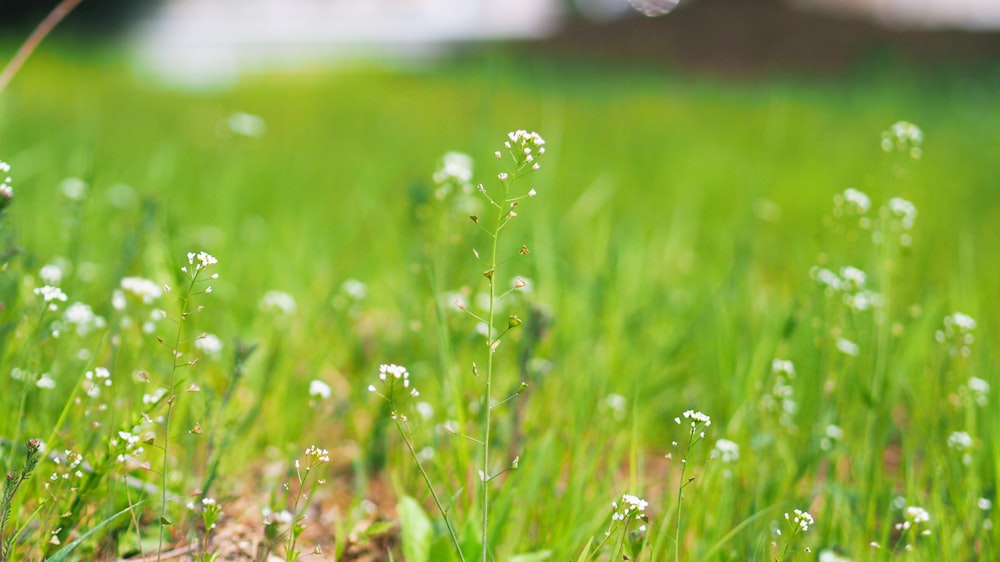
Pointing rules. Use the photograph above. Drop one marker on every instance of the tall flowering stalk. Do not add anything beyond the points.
(196, 279)
(523, 149)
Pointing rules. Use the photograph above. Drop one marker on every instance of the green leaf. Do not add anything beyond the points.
(585, 555)
(64, 552)
(416, 530)
(532, 556)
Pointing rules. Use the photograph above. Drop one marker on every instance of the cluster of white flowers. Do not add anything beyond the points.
(6, 191)
(524, 147)
(725, 450)
(68, 466)
(696, 418)
(83, 318)
(850, 285)
(51, 273)
(200, 261)
(144, 289)
(957, 334)
(278, 301)
(390, 375)
(780, 398)
(853, 204)
(51, 296)
(315, 454)
(960, 441)
(455, 172)
(913, 517)
(94, 380)
(631, 508)
(800, 520)
(904, 137)
(831, 435)
(976, 391)
(127, 443)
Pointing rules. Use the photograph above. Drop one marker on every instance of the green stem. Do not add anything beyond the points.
(437, 501)
(170, 409)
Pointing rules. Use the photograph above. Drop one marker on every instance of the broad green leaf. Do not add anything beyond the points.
(416, 530)
(64, 552)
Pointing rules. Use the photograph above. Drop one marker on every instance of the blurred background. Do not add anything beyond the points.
(211, 41)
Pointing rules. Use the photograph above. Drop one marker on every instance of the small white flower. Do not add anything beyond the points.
(209, 344)
(725, 450)
(960, 441)
(801, 519)
(278, 301)
(45, 382)
(51, 274)
(146, 290)
(319, 389)
(984, 504)
(246, 124)
(73, 188)
(848, 347)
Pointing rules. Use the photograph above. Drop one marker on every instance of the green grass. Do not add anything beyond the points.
(650, 257)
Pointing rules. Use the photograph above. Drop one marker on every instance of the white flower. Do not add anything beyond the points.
(455, 170)
(696, 418)
(904, 137)
(916, 514)
(904, 210)
(246, 124)
(51, 295)
(848, 347)
(726, 450)
(45, 381)
(831, 556)
(145, 289)
(73, 188)
(83, 317)
(801, 519)
(960, 441)
(354, 289)
(783, 366)
(854, 277)
(278, 301)
(319, 389)
(6, 191)
(203, 260)
(857, 201)
(984, 504)
(51, 274)
(209, 344)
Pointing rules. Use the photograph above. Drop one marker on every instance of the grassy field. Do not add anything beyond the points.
(677, 242)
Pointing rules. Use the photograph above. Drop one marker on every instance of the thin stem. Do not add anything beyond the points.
(437, 501)
(485, 476)
(31, 43)
(170, 409)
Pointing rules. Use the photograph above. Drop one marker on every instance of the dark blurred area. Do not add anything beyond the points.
(747, 38)
(90, 17)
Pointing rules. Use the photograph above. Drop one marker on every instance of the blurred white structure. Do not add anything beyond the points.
(211, 40)
(958, 14)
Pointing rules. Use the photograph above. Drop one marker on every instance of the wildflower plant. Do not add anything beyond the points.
(798, 523)
(519, 157)
(696, 423)
(197, 282)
